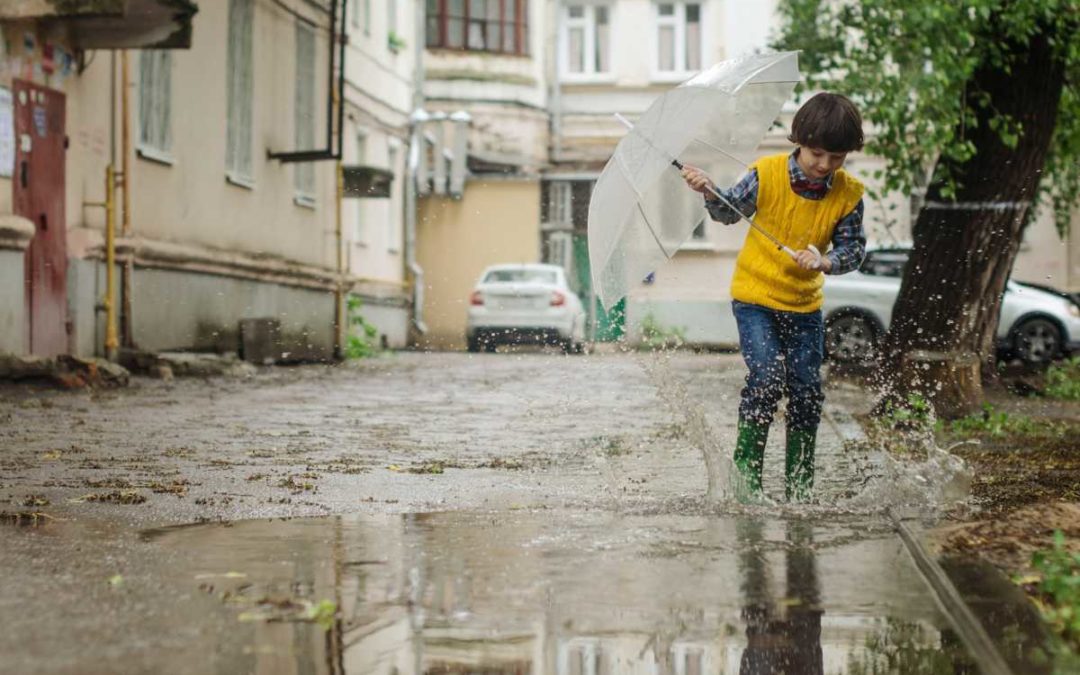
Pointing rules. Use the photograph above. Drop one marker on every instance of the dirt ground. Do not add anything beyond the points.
(1027, 482)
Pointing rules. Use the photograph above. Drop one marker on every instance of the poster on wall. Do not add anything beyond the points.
(7, 134)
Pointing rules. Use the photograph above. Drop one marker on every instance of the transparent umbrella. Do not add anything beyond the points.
(641, 211)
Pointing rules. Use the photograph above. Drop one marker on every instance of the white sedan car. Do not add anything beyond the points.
(524, 304)
(1035, 325)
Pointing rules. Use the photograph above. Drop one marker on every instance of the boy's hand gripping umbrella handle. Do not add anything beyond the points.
(712, 188)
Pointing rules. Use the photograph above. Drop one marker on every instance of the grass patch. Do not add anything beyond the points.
(1055, 589)
(1063, 381)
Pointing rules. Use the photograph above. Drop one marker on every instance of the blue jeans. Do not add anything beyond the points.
(783, 351)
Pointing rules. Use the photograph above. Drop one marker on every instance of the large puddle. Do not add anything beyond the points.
(554, 592)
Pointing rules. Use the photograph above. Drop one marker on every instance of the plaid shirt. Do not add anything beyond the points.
(848, 239)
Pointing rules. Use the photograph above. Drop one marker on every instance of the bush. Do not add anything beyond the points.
(994, 423)
(1063, 381)
(361, 341)
(655, 335)
(1058, 598)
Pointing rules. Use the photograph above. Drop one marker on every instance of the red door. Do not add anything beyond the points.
(39, 197)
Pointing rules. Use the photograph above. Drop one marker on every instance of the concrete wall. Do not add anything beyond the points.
(13, 313)
(495, 222)
(180, 310)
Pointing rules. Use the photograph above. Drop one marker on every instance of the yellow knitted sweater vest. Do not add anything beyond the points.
(765, 275)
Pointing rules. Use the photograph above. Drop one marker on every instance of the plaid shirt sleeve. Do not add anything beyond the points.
(742, 195)
(849, 242)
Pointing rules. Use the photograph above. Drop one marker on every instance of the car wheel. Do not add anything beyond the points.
(851, 338)
(489, 345)
(1037, 341)
(473, 344)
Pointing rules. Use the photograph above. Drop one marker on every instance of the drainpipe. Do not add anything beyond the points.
(555, 89)
(416, 140)
(127, 272)
(111, 342)
(339, 294)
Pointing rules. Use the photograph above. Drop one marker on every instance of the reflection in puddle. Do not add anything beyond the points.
(570, 594)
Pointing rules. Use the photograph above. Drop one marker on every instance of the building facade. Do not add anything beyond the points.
(227, 203)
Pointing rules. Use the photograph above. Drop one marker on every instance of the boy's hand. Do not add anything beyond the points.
(808, 260)
(697, 180)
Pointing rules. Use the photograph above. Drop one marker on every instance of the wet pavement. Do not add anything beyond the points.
(448, 513)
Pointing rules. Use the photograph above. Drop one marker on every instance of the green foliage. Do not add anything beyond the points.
(909, 64)
(1063, 381)
(915, 413)
(1059, 591)
(394, 42)
(361, 339)
(655, 335)
(994, 423)
(323, 613)
(902, 647)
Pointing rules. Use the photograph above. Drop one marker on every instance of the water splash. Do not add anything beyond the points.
(722, 484)
(923, 477)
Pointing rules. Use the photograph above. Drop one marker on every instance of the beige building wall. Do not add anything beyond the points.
(496, 221)
(186, 197)
(1046, 258)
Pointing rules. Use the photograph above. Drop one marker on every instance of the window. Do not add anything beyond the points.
(885, 263)
(155, 103)
(522, 275)
(394, 41)
(678, 37)
(354, 13)
(586, 40)
(560, 196)
(304, 133)
(367, 17)
(240, 81)
(479, 25)
(565, 204)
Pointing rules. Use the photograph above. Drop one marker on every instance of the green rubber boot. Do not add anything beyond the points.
(750, 454)
(799, 468)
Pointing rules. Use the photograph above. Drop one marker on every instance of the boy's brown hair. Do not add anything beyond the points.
(830, 122)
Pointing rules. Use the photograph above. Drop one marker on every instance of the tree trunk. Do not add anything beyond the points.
(964, 247)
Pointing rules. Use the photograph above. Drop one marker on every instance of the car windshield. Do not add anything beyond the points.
(522, 275)
(885, 263)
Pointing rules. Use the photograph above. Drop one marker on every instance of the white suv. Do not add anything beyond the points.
(1035, 325)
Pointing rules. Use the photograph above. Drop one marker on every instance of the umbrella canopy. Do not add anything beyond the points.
(641, 210)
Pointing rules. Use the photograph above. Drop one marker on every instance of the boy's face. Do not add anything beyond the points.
(817, 163)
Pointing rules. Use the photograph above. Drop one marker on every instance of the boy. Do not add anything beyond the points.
(803, 198)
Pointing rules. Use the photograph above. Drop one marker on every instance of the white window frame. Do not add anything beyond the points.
(240, 87)
(560, 204)
(587, 23)
(354, 13)
(304, 113)
(678, 22)
(155, 105)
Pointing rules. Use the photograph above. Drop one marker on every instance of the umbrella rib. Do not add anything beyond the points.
(721, 151)
(649, 227)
